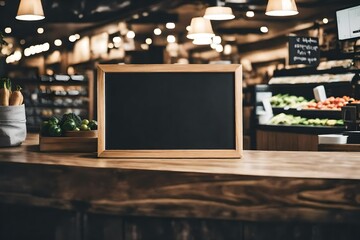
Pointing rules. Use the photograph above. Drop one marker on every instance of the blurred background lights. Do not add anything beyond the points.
(130, 34)
(72, 38)
(58, 42)
(219, 48)
(216, 40)
(36, 49)
(250, 14)
(40, 30)
(157, 31)
(171, 39)
(170, 25)
(116, 39)
(227, 49)
(148, 41)
(325, 20)
(144, 46)
(8, 30)
(264, 29)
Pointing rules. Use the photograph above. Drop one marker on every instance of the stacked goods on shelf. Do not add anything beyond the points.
(331, 103)
(60, 94)
(290, 101)
(321, 78)
(286, 119)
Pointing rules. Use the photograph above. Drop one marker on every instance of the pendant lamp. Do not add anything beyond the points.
(30, 10)
(219, 13)
(202, 41)
(281, 8)
(200, 28)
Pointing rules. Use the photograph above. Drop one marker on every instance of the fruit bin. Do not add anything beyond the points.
(70, 144)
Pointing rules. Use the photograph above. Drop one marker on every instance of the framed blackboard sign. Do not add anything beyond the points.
(304, 50)
(170, 111)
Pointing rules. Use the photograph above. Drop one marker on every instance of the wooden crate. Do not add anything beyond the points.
(68, 144)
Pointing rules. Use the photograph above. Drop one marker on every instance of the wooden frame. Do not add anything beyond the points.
(195, 68)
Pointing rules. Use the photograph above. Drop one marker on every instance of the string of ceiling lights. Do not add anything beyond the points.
(200, 30)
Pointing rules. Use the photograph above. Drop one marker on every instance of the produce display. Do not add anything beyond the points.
(286, 119)
(9, 97)
(286, 100)
(331, 103)
(56, 127)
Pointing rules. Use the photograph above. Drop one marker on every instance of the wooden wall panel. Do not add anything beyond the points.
(103, 227)
(22, 223)
(182, 229)
(284, 141)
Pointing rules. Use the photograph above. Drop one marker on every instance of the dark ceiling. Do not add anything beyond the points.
(66, 17)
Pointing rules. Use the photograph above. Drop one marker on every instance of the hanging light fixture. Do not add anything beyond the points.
(219, 13)
(202, 41)
(200, 28)
(281, 8)
(30, 10)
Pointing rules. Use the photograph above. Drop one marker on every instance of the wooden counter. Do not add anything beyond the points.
(314, 187)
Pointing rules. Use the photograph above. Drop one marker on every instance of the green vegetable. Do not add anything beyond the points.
(77, 129)
(71, 116)
(69, 125)
(340, 122)
(85, 121)
(53, 120)
(84, 127)
(93, 125)
(55, 131)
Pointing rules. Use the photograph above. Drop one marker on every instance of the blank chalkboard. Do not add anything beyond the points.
(304, 50)
(149, 112)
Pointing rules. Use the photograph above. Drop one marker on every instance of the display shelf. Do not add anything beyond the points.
(64, 83)
(312, 71)
(61, 106)
(52, 95)
(309, 113)
(302, 129)
(336, 89)
(338, 55)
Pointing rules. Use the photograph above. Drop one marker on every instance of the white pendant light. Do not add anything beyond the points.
(200, 28)
(281, 8)
(30, 10)
(219, 13)
(202, 41)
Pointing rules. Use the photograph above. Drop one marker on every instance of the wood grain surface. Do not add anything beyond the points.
(328, 165)
(216, 189)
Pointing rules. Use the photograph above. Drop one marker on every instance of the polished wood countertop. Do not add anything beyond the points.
(330, 165)
(262, 186)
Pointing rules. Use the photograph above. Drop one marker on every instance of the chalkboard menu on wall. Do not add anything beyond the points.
(169, 111)
(304, 50)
